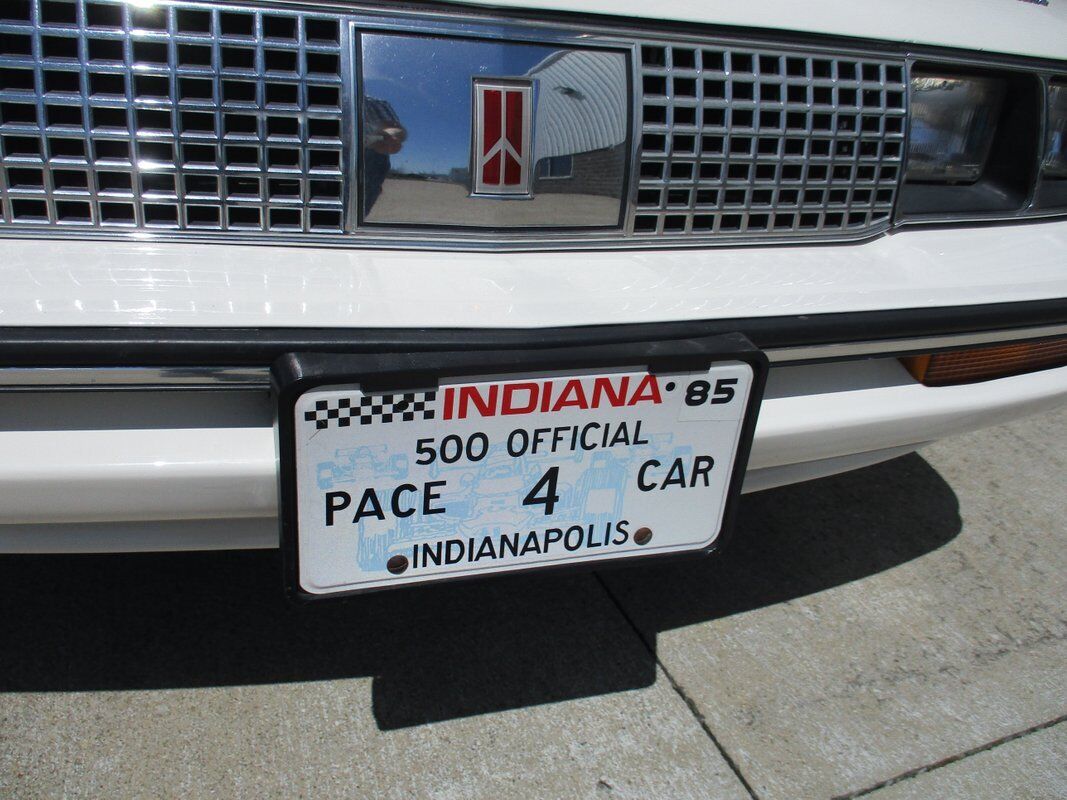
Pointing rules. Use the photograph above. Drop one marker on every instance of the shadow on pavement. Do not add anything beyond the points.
(122, 622)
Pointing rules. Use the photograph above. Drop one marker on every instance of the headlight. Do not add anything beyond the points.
(1055, 165)
(953, 120)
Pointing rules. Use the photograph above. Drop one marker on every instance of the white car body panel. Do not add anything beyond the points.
(1021, 27)
(88, 472)
(58, 282)
(66, 489)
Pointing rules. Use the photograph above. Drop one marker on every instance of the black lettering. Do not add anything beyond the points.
(449, 557)
(637, 434)
(724, 392)
(675, 475)
(701, 468)
(696, 394)
(550, 538)
(509, 542)
(428, 495)
(622, 435)
(431, 553)
(547, 484)
(538, 438)
(514, 451)
(532, 544)
(592, 426)
(331, 507)
(622, 528)
(477, 453)
(397, 511)
(451, 449)
(369, 507)
(646, 487)
(577, 530)
(486, 549)
(557, 437)
(592, 541)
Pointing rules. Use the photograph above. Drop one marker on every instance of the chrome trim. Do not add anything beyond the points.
(741, 143)
(33, 379)
(215, 119)
(112, 378)
(496, 26)
(505, 24)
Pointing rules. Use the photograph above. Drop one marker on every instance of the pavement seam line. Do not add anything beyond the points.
(936, 765)
(689, 703)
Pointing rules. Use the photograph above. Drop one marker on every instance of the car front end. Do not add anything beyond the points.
(873, 200)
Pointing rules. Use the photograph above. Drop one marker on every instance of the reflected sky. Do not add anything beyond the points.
(427, 81)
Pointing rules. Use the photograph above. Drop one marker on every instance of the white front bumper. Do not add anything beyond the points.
(155, 474)
(170, 469)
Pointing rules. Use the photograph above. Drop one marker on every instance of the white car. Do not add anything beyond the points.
(421, 293)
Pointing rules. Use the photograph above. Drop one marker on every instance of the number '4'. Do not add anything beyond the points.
(546, 484)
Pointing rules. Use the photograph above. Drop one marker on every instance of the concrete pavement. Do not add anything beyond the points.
(898, 632)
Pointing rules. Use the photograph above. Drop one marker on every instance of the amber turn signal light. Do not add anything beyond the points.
(984, 363)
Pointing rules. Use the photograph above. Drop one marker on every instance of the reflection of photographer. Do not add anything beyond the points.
(383, 136)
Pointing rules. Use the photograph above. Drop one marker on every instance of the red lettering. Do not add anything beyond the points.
(605, 386)
(485, 406)
(508, 404)
(546, 395)
(647, 391)
(573, 395)
(526, 397)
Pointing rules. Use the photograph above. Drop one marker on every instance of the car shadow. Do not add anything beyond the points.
(152, 621)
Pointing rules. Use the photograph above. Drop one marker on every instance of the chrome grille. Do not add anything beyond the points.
(752, 142)
(188, 117)
(170, 117)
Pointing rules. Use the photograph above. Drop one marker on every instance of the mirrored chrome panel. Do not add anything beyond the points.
(492, 134)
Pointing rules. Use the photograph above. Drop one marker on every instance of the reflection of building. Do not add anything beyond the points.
(577, 150)
(580, 135)
(599, 172)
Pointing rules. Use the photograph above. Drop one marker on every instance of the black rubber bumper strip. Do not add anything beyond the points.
(173, 347)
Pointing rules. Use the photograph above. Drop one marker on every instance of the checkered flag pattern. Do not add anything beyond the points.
(368, 409)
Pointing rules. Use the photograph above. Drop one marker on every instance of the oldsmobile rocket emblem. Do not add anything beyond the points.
(500, 147)
(491, 136)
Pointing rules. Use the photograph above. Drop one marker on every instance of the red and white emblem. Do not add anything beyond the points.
(501, 144)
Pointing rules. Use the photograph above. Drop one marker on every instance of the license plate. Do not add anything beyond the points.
(495, 473)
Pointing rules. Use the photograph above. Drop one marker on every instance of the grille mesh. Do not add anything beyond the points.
(181, 118)
(744, 142)
(187, 117)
